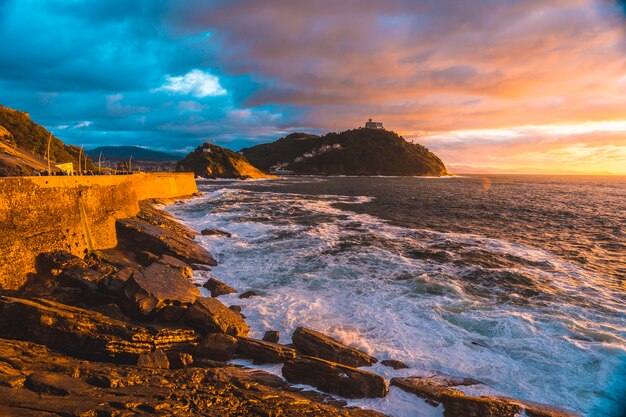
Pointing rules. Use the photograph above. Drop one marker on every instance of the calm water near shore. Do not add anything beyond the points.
(518, 281)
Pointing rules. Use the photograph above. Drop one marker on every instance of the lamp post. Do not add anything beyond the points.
(48, 152)
(80, 155)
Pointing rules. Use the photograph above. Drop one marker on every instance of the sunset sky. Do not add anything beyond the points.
(515, 86)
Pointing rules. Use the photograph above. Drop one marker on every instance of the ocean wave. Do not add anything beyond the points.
(523, 320)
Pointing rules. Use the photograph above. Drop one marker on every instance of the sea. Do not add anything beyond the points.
(516, 281)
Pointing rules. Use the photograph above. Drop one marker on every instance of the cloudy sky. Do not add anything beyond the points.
(506, 84)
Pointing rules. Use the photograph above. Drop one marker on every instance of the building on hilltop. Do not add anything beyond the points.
(373, 125)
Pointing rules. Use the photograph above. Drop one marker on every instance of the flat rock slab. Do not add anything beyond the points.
(208, 315)
(138, 233)
(154, 287)
(440, 390)
(83, 332)
(334, 378)
(312, 343)
(264, 352)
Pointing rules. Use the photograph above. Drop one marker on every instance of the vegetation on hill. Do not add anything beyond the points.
(353, 152)
(124, 153)
(212, 161)
(265, 155)
(33, 138)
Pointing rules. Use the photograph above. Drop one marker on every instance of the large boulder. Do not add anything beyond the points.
(138, 233)
(217, 347)
(85, 333)
(312, 343)
(217, 287)
(441, 390)
(155, 287)
(264, 352)
(208, 315)
(334, 378)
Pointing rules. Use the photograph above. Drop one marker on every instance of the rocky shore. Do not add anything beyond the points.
(125, 332)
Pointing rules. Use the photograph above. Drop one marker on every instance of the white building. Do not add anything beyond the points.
(373, 125)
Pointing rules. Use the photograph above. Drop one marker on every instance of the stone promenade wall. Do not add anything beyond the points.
(77, 214)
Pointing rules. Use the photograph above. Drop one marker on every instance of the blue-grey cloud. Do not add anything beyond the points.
(169, 74)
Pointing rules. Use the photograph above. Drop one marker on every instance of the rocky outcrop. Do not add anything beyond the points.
(217, 287)
(264, 352)
(38, 382)
(334, 378)
(212, 161)
(312, 343)
(440, 390)
(208, 315)
(138, 233)
(85, 333)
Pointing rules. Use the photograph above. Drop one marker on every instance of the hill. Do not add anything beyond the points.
(124, 153)
(30, 140)
(353, 152)
(212, 161)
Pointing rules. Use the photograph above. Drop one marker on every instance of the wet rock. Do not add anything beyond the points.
(83, 332)
(179, 360)
(248, 294)
(154, 287)
(156, 359)
(334, 378)
(55, 384)
(53, 263)
(439, 389)
(235, 308)
(215, 232)
(264, 352)
(394, 364)
(208, 315)
(111, 310)
(316, 344)
(138, 233)
(217, 287)
(272, 336)
(146, 258)
(217, 347)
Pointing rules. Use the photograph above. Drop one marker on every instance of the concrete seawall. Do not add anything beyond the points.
(76, 214)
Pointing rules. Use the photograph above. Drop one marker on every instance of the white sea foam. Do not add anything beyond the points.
(349, 275)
